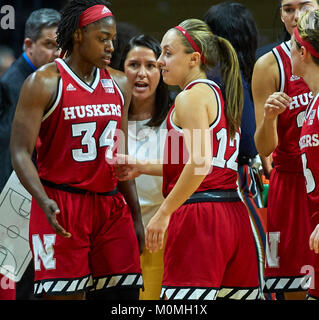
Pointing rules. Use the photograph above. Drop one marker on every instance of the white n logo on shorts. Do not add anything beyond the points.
(272, 240)
(46, 255)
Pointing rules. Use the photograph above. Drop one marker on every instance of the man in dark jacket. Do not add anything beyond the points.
(40, 48)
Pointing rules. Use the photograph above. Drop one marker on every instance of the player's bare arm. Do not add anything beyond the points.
(190, 116)
(37, 95)
(265, 82)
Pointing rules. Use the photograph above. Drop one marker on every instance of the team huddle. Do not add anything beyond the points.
(121, 213)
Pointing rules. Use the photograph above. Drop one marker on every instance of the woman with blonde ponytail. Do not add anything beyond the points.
(210, 251)
(305, 64)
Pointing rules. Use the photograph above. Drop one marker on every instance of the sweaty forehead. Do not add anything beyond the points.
(171, 39)
(107, 24)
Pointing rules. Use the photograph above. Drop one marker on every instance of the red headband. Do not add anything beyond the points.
(93, 14)
(191, 42)
(306, 44)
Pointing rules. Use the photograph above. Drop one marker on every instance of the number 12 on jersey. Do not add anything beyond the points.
(219, 160)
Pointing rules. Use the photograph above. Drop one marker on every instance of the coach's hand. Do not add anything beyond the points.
(51, 209)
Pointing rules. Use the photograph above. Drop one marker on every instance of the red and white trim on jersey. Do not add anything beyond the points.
(282, 78)
(56, 102)
(219, 105)
(79, 81)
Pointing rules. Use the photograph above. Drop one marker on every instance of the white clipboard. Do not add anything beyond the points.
(15, 207)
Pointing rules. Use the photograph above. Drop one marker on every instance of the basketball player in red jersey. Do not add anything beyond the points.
(305, 63)
(278, 132)
(81, 228)
(210, 251)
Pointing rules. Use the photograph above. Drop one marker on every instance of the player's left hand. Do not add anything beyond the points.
(155, 231)
(314, 240)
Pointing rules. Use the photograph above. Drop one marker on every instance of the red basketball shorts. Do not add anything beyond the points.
(102, 252)
(210, 253)
(288, 257)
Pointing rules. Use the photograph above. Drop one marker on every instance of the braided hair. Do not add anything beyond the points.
(70, 16)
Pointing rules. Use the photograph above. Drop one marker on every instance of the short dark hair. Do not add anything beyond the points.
(162, 99)
(39, 20)
(234, 22)
(70, 21)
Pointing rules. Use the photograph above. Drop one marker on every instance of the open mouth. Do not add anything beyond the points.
(140, 85)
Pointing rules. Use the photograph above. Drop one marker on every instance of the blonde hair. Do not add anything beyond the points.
(217, 50)
(308, 29)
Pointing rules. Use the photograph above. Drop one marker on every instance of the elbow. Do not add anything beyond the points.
(263, 149)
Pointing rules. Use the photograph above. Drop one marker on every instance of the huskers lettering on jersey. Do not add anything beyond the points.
(309, 146)
(80, 131)
(287, 154)
(225, 150)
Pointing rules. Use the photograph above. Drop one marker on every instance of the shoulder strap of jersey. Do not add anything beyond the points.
(281, 53)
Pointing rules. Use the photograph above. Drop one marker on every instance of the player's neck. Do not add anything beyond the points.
(84, 71)
(192, 76)
(312, 79)
(142, 109)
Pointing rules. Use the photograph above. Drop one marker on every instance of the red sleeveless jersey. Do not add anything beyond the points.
(309, 146)
(78, 132)
(287, 154)
(225, 150)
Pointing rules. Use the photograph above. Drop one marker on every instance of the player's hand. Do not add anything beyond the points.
(276, 104)
(51, 209)
(155, 231)
(126, 167)
(314, 240)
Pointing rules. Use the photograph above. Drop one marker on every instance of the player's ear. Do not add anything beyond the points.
(77, 36)
(195, 58)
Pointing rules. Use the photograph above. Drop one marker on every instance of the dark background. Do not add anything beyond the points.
(153, 17)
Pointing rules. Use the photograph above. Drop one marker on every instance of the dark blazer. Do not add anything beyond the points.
(10, 86)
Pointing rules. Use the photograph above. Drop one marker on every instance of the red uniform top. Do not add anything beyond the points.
(309, 146)
(78, 132)
(225, 151)
(287, 154)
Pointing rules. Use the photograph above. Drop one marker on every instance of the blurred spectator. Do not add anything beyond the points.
(6, 59)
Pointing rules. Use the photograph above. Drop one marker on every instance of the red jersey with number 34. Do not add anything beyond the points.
(78, 132)
(225, 150)
(309, 146)
(287, 154)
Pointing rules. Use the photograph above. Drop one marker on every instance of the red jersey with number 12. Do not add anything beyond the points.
(287, 154)
(309, 146)
(225, 150)
(78, 132)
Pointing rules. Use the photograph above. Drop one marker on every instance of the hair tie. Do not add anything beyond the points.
(306, 44)
(93, 14)
(191, 42)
